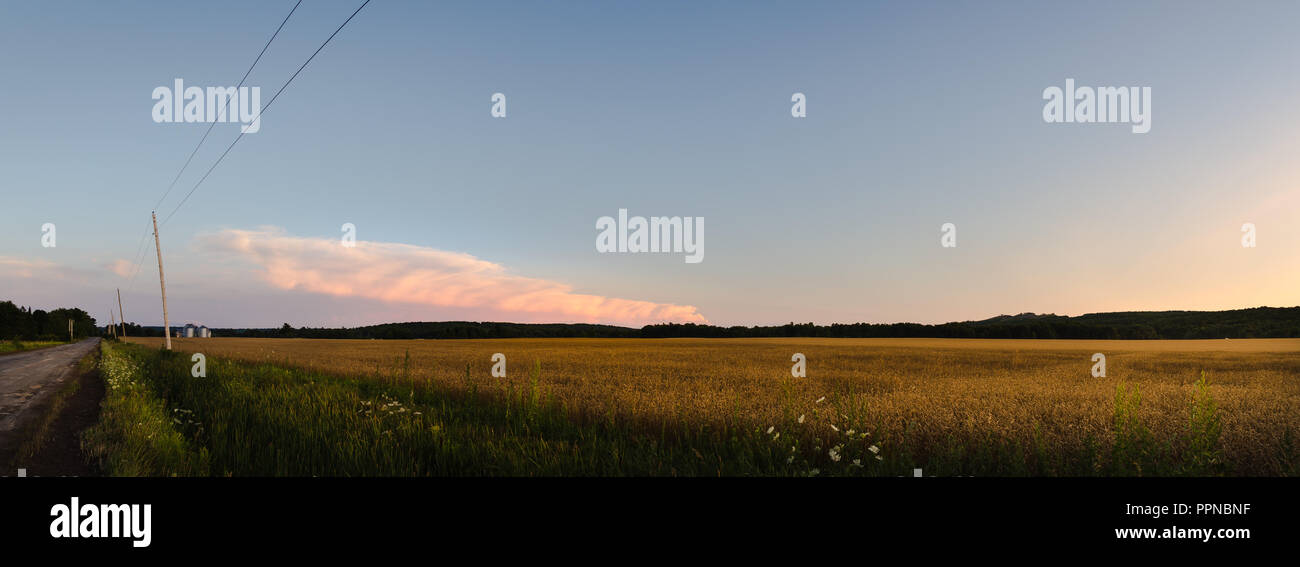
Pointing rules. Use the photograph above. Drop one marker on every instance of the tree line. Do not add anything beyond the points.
(25, 323)
(441, 330)
(1260, 322)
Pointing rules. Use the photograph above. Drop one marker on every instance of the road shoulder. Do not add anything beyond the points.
(48, 440)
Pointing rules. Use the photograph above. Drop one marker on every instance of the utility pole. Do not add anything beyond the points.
(112, 325)
(121, 318)
(167, 326)
(69, 330)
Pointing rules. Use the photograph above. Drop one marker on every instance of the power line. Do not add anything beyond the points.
(263, 111)
(139, 255)
(225, 110)
(139, 252)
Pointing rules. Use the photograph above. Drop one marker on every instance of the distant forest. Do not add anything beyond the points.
(1260, 322)
(25, 323)
(440, 330)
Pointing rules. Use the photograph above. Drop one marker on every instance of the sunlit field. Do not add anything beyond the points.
(958, 406)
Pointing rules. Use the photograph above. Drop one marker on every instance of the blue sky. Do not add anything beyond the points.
(919, 113)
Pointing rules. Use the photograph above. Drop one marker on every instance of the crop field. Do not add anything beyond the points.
(732, 407)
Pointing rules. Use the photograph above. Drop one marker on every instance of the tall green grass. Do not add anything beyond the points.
(250, 419)
(265, 420)
(15, 345)
(1198, 452)
(136, 434)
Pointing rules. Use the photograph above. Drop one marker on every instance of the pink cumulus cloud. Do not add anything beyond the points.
(43, 270)
(23, 268)
(404, 273)
(120, 267)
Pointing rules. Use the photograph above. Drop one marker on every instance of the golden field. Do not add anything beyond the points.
(939, 391)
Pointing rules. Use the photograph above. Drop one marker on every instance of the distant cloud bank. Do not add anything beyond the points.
(403, 273)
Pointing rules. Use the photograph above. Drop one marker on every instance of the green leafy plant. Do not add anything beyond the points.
(1133, 444)
(1204, 455)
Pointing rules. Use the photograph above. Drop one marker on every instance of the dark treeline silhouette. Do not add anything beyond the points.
(30, 324)
(440, 330)
(134, 330)
(1260, 322)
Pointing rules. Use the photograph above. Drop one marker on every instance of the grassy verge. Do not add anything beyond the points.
(134, 436)
(259, 419)
(14, 345)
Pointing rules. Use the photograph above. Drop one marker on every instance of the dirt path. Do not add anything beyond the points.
(60, 453)
(27, 380)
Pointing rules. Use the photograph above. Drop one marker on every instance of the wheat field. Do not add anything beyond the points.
(939, 393)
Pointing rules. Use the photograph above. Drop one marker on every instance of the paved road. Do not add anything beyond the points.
(27, 378)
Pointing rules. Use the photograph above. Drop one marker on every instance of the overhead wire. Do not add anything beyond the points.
(263, 111)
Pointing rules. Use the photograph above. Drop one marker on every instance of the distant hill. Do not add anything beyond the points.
(1259, 322)
(1023, 317)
